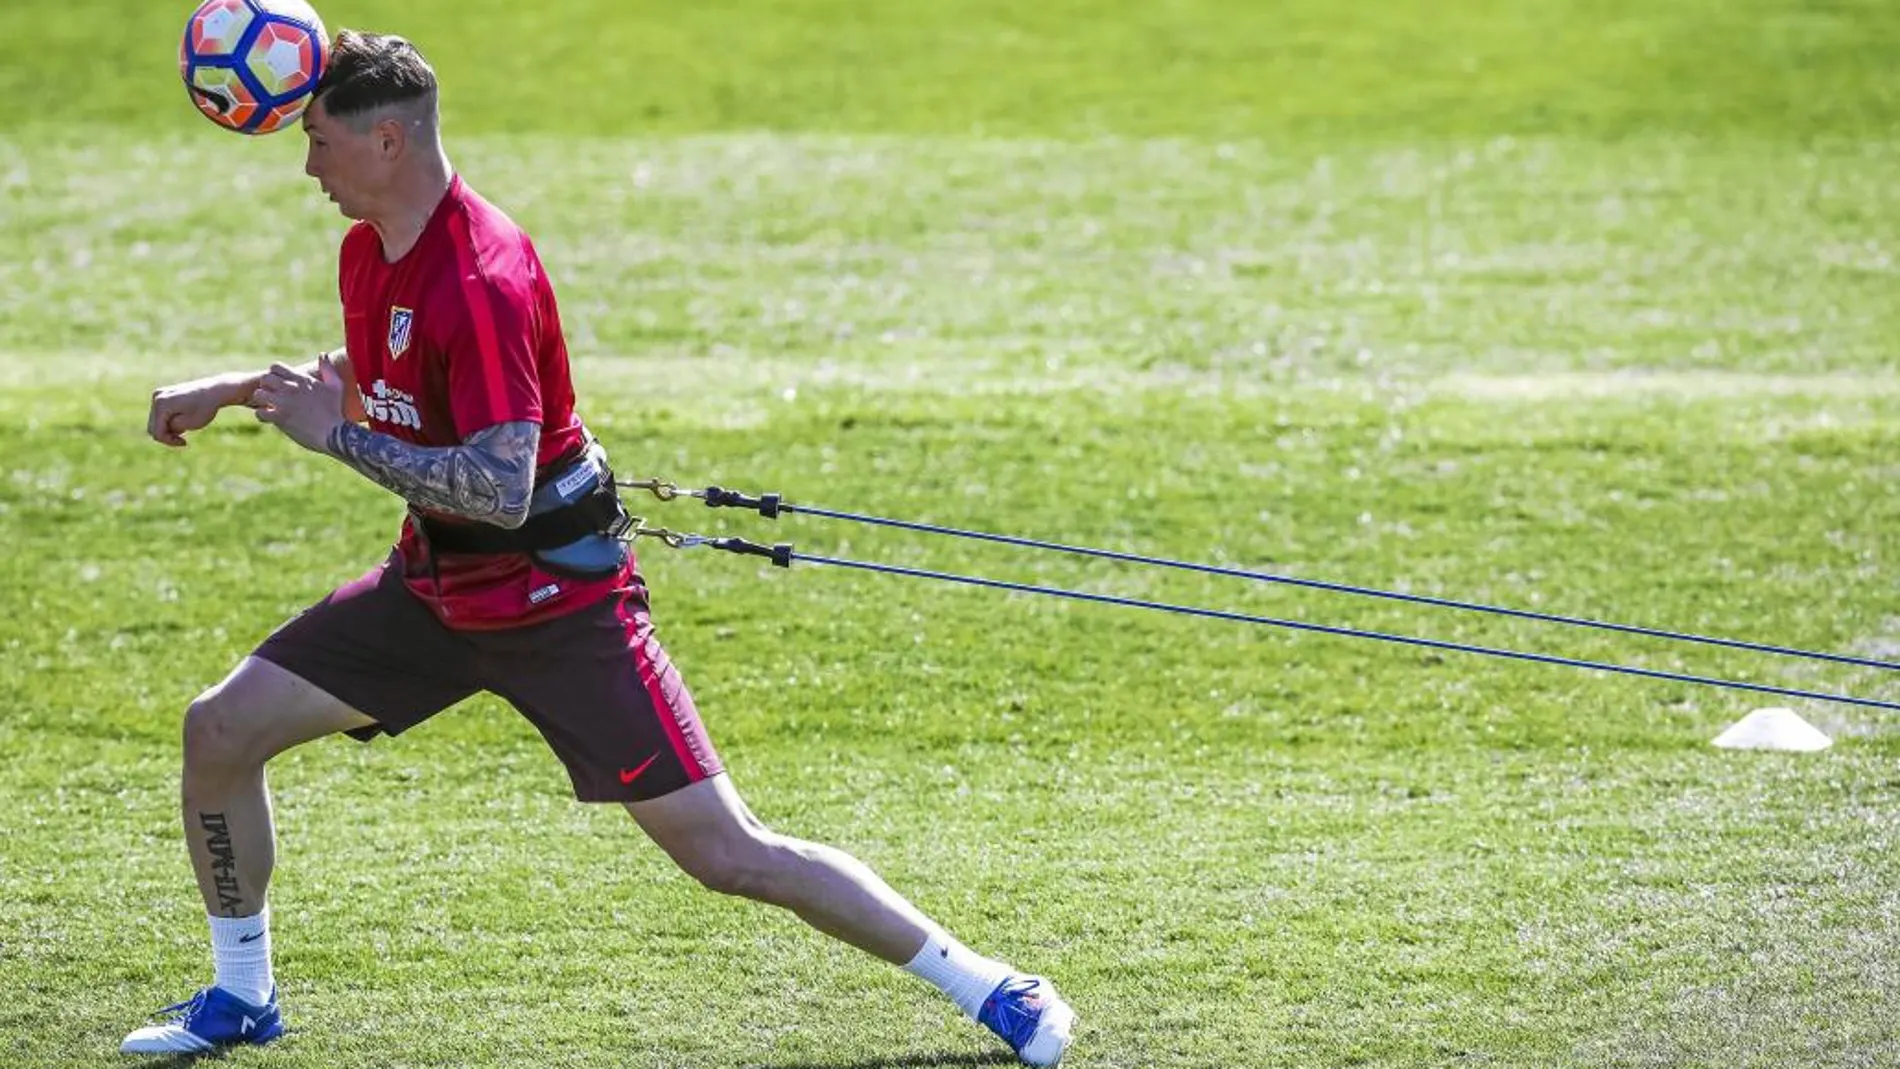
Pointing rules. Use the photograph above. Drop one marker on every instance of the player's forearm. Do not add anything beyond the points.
(229, 390)
(241, 385)
(488, 478)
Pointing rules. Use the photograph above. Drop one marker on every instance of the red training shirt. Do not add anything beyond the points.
(458, 335)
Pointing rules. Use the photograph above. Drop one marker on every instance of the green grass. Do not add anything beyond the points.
(1388, 69)
(1599, 322)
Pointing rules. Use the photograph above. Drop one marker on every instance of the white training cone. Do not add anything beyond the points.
(1773, 729)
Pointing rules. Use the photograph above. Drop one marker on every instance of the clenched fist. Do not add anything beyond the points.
(190, 406)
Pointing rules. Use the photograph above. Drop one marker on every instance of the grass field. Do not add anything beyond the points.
(1583, 307)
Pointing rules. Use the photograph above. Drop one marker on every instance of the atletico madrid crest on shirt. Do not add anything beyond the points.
(400, 320)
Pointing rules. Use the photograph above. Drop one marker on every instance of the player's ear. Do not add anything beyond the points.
(390, 138)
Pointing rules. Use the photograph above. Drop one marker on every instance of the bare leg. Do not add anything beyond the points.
(711, 834)
(257, 712)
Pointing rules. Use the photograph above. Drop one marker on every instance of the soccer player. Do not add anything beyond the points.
(452, 391)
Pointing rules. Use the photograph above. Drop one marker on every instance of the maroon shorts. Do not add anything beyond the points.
(594, 682)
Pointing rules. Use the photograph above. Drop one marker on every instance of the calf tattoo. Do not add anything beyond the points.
(223, 862)
(489, 477)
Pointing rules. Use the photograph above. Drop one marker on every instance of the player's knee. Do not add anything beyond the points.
(215, 735)
(746, 866)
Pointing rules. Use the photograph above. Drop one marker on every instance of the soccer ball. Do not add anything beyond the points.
(250, 65)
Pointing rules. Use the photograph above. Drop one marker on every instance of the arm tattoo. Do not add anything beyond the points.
(489, 477)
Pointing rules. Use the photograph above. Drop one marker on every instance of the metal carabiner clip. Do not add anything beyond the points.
(663, 489)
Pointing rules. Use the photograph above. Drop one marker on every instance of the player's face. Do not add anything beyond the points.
(346, 162)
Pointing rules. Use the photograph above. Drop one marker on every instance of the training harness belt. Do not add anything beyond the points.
(574, 502)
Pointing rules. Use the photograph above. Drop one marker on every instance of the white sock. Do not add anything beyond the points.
(240, 952)
(956, 970)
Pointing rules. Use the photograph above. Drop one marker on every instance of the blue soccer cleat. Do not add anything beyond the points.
(213, 1018)
(1031, 1018)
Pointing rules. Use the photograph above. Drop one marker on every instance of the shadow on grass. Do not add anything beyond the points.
(911, 1061)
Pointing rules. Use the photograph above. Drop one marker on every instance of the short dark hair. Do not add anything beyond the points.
(370, 71)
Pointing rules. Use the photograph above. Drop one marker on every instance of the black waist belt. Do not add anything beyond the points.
(577, 502)
(597, 513)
